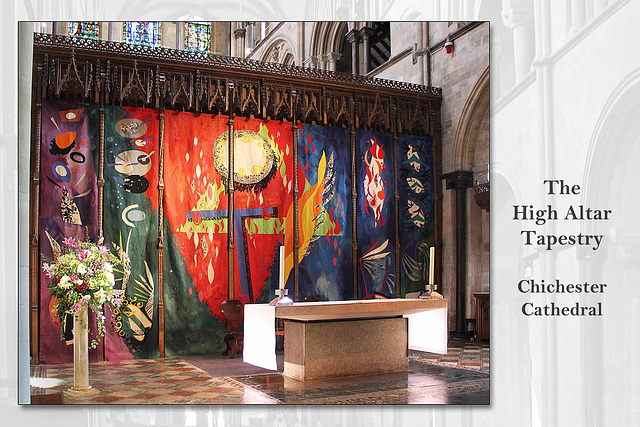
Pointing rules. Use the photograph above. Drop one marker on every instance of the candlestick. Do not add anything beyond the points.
(432, 264)
(281, 282)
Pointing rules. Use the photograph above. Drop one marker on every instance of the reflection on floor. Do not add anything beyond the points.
(431, 379)
(464, 354)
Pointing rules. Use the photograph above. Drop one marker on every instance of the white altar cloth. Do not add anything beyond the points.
(427, 323)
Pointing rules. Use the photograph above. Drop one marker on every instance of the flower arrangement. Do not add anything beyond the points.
(82, 274)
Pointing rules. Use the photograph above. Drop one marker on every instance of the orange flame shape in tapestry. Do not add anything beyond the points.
(311, 208)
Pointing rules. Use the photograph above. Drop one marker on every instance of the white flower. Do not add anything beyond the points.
(79, 282)
(81, 269)
(65, 282)
(107, 267)
(100, 296)
(110, 278)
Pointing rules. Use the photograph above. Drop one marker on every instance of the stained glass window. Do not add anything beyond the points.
(88, 30)
(197, 36)
(143, 33)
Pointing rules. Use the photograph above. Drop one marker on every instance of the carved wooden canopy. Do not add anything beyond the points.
(69, 68)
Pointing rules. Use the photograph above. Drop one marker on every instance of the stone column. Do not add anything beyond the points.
(301, 50)
(180, 36)
(460, 181)
(366, 33)
(312, 62)
(81, 385)
(333, 60)
(352, 37)
(28, 330)
(251, 38)
(578, 15)
(233, 47)
(322, 62)
(239, 35)
(518, 17)
(599, 6)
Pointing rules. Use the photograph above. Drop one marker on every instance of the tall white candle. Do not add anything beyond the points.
(432, 264)
(281, 283)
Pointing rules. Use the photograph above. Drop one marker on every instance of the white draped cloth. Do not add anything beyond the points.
(427, 331)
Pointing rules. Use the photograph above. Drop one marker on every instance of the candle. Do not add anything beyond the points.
(281, 283)
(432, 264)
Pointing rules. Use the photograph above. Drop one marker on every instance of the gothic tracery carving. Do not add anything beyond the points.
(154, 78)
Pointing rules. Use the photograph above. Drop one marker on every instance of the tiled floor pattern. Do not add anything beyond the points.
(160, 381)
(430, 379)
(463, 354)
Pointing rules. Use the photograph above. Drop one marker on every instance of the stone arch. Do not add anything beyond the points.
(326, 43)
(325, 37)
(611, 171)
(474, 113)
(612, 135)
(280, 51)
(411, 14)
(288, 59)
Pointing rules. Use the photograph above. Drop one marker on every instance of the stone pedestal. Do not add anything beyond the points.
(81, 385)
(326, 349)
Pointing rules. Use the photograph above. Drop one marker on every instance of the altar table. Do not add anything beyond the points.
(341, 338)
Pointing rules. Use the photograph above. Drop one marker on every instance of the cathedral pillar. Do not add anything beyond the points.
(180, 36)
(233, 45)
(220, 37)
(599, 6)
(578, 15)
(250, 42)
(460, 181)
(322, 62)
(518, 17)
(352, 37)
(311, 62)
(333, 58)
(239, 35)
(366, 33)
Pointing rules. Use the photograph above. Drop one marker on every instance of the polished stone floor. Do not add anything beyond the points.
(459, 378)
(426, 384)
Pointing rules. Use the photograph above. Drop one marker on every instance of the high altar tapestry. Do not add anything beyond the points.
(196, 216)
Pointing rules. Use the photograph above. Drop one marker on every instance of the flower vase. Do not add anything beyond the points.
(81, 385)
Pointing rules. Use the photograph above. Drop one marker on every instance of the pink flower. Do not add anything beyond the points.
(83, 255)
(75, 308)
(47, 270)
(89, 272)
(103, 249)
(68, 241)
(73, 277)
